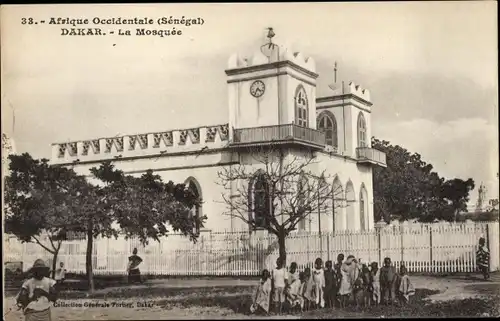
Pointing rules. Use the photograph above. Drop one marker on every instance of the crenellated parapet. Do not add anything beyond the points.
(358, 91)
(352, 93)
(140, 145)
(280, 53)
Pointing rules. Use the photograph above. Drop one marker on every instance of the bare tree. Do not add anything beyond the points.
(275, 189)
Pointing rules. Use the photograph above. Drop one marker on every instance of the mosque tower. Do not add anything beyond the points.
(481, 198)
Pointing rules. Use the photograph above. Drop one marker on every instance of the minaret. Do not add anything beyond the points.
(266, 88)
(481, 198)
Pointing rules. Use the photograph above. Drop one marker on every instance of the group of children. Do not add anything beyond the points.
(334, 285)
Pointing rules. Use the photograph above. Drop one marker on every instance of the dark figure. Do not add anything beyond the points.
(358, 285)
(367, 286)
(134, 274)
(483, 259)
(388, 280)
(330, 285)
(36, 293)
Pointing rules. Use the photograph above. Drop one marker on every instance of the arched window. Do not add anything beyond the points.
(301, 107)
(261, 201)
(362, 210)
(363, 207)
(350, 210)
(195, 212)
(328, 124)
(361, 131)
(338, 200)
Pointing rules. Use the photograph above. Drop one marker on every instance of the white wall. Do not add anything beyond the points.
(203, 168)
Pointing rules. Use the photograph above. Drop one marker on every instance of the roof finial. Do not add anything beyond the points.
(334, 85)
(270, 35)
(267, 49)
(335, 73)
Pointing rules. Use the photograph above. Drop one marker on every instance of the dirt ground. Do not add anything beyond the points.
(212, 299)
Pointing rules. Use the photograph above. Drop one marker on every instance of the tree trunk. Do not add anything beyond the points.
(88, 258)
(54, 258)
(282, 248)
(54, 263)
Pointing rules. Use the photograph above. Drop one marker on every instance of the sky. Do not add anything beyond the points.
(431, 68)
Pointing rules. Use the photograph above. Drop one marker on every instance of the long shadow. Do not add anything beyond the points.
(487, 289)
(418, 307)
(145, 292)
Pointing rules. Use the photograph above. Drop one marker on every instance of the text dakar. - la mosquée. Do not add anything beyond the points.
(93, 31)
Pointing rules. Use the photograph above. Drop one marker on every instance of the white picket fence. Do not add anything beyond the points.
(433, 248)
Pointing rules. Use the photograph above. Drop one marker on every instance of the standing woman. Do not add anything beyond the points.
(345, 289)
(37, 293)
(134, 274)
(483, 258)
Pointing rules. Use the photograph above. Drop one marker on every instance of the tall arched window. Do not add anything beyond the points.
(301, 107)
(361, 131)
(328, 124)
(363, 208)
(350, 210)
(195, 212)
(338, 200)
(261, 201)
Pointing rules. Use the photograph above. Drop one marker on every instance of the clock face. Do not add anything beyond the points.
(257, 89)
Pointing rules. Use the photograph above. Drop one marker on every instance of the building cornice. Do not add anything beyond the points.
(366, 109)
(175, 168)
(155, 155)
(339, 156)
(343, 97)
(272, 65)
(281, 73)
(187, 153)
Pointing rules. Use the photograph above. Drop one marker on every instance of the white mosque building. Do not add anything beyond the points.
(271, 96)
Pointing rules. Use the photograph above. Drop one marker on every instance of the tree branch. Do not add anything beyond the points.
(43, 246)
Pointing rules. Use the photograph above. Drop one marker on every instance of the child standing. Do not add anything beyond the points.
(279, 279)
(37, 293)
(308, 288)
(294, 294)
(319, 283)
(375, 282)
(330, 285)
(293, 273)
(406, 289)
(388, 281)
(262, 295)
(357, 282)
(338, 274)
(483, 258)
(367, 286)
(60, 274)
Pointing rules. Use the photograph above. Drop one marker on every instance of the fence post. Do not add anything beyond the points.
(492, 238)
(430, 249)
(378, 229)
(401, 230)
